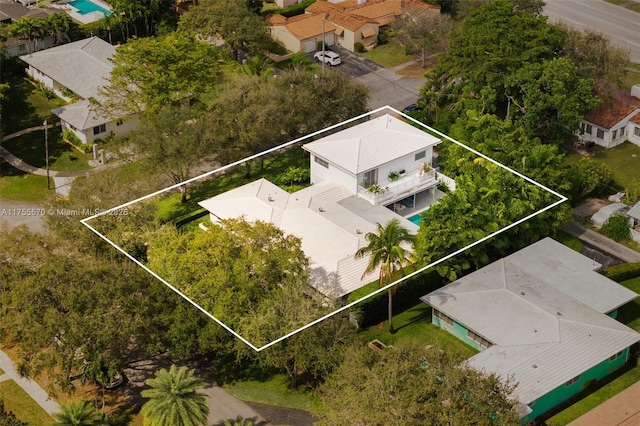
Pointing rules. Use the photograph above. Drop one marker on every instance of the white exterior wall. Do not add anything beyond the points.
(332, 174)
(631, 133)
(625, 131)
(45, 79)
(87, 136)
(408, 163)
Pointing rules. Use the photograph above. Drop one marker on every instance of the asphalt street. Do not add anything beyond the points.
(620, 24)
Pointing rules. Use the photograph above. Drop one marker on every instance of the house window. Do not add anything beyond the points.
(99, 129)
(370, 178)
(119, 122)
(623, 132)
(636, 131)
(616, 356)
(589, 128)
(420, 155)
(22, 48)
(615, 135)
(442, 317)
(478, 339)
(600, 134)
(320, 161)
(572, 381)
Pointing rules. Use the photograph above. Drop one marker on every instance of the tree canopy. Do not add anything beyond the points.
(410, 384)
(151, 72)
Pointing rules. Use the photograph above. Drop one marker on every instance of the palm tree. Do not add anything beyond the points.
(174, 400)
(81, 413)
(385, 251)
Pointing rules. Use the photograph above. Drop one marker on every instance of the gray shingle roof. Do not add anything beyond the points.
(542, 336)
(81, 66)
(367, 145)
(634, 211)
(80, 116)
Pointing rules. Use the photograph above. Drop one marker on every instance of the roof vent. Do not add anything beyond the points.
(534, 366)
(522, 293)
(358, 231)
(559, 313)
(321, 210)
(270, 198)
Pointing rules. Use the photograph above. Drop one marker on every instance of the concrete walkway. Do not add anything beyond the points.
(622, 409)
(601, 242)
(224, 407)
(29, 386)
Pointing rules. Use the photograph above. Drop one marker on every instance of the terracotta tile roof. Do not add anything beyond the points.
(348, 21)
(375, 9)
(613, 108)
(306, 26)
(276, 19)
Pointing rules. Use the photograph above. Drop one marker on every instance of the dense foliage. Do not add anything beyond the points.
(408, 384)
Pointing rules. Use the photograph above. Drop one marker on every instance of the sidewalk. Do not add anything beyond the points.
(601, 242)
(29, 386)
(622, 409)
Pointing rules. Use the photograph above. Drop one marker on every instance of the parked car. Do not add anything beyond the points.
(409, 108)
(118, 379)
(329, 57)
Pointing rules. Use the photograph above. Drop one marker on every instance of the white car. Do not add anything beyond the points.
(329, 57)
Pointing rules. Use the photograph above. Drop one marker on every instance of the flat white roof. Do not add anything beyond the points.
(327, 217)
(371, 144)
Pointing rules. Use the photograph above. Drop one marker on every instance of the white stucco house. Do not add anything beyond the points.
(333, 215)
(615, 121)
(79, 69)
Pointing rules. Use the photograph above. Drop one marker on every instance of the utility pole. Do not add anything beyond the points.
(46, 150)
(323, 58)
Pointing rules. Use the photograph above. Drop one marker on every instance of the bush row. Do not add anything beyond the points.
(623, 272)
(374, 309)
(293, 10)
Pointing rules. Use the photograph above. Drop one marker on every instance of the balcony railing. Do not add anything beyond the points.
(406, 185)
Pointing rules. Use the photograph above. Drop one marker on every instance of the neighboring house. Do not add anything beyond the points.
(333, 215)
(615, 121)
(543, 318)
(78, 69)
(302, 33)
(351, 23)
(11, 11)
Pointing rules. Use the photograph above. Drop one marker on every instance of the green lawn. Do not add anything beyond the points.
(19, 186)
(629, 314)
(569, 241)
(20, 403)
(170, 208)
(389, 55)
(415, 324)
(623, 161)
(616, 2)
(274, 391)
(632, 77)
(25, 106)
(62, 156)
(635, 7)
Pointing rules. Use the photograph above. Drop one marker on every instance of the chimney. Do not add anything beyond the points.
(635, 90)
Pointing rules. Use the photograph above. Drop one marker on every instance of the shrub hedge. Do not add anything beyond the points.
(623, 272)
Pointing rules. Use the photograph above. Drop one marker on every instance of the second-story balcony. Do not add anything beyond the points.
(404, 186)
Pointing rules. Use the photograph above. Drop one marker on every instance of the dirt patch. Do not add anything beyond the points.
(588, 207)
(415, 68)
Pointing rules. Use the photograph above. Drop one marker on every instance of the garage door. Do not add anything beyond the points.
(309, 46)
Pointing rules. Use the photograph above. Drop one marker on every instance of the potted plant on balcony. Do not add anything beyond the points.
(377, 189)
(424, 169)
(393, 176)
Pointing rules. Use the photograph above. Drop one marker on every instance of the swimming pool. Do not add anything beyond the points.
(416, 218)
(87, 6)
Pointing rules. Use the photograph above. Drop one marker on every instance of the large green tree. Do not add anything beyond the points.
(230, 270)
(149, 73)
(407, 384)
(388, 249)
(423, 30)
(172, 141)
(229, 21)
(174, 399)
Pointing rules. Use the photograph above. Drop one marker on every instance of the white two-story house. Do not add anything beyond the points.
(365, 175)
